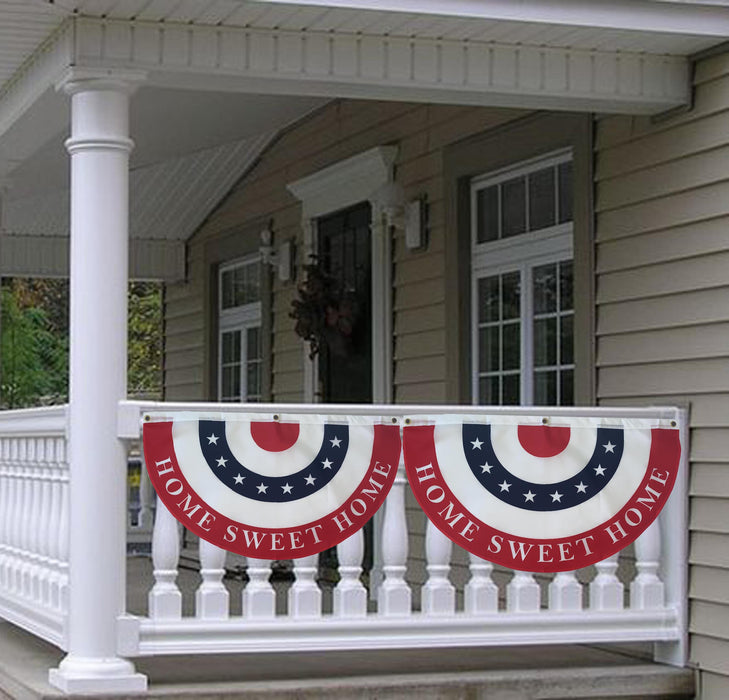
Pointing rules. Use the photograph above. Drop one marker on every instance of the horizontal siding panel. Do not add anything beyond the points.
(666, 377)
(289, 361)
(664, 345)
(420, 294)
(710, 411)
(694, 239)
(188, 376)
(710, 515)
(704, 272)
(710, 653)
(678, 209)
(423, 392)
(688, 309)
(179, 339)
(711, 479)
(411, 345)
(183, 391)
(709, 549)
(415, 268)
(424, 319)
(687, 173)
(710, 445)
(710, 619)
(710, 584)
(184, 358)
(414, 371)
(655, 146)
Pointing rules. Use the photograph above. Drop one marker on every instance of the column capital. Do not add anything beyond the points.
(79, 79)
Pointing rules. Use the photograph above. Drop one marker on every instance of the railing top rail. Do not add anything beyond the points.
(132, 411)
(42, 420)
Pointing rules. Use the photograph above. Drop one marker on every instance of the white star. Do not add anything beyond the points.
(327, 464)
(212, 440)
(556, 496)
(599, 471)
(486, 468)
(477, 444)
(529, 496)
(287, 488)
(239, 479)
(310, 480)
(335, 442)
(581, 488)
(609, 447)
(504, 486)
(222, 462)
(262, 488)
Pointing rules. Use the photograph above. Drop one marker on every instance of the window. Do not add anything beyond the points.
(240, 349)
(522, 273)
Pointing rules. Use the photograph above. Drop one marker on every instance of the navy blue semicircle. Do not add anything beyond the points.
(244, 480)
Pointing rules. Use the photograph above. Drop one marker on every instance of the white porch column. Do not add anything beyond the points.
(99, 147)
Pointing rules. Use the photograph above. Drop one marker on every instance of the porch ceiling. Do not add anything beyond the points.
(224, 75)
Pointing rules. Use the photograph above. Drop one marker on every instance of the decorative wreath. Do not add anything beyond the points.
(325, 312)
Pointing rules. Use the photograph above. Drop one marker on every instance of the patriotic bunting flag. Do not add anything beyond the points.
(271, 489)
(536, 497)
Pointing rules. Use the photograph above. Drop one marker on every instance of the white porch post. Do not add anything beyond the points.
(99, 148)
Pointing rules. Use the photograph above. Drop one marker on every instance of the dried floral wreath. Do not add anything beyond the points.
(325, 312)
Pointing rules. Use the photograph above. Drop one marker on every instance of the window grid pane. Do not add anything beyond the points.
(553, 334)
(499, 339)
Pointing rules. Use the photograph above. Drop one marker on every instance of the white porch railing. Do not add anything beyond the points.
(34, 533)
(592, 607)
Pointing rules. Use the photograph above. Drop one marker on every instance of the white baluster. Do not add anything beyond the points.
(146, 499)
(350, 596)
(259, 596)
(606, 591)
(34, 529)
(523, 593)
(438, 593)
(394, 596)
(54, 526)
(565, 592)
(64, 524)
(304, 595)
(165, 599)
(44, 526)
(25, 523)
(647, 590)
(16, 508)
(212, 597)
(4, 512)
(481, 594)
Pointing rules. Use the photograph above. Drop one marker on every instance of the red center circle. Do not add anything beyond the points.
(543, 440)
(274, 437)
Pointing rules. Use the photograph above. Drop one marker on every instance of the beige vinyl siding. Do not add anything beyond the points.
(338, 131)
(662, 290)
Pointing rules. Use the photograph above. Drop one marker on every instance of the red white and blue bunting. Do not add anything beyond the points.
(272, 489)
(537, 497)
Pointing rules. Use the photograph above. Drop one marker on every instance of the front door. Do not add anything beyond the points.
(345, 360)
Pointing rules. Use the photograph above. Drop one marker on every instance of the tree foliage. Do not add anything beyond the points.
(34, 342)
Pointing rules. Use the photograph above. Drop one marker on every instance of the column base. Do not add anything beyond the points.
(93, 675)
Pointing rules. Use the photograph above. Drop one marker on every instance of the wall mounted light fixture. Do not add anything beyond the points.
(281, 258)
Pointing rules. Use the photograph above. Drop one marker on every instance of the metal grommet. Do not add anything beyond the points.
(394, 420)
(545, 421)
(147, 417)
(407, 421)
(673, 424)
(276, 416)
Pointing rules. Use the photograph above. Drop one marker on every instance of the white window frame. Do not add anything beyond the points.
(237, 318)
(522, 253)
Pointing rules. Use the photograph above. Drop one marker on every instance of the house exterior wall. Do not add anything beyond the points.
(338, 131)
(662, 263)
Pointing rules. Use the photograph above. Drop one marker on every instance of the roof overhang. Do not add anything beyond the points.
(626, 56)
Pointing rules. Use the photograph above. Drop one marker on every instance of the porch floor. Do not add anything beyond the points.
(504, 673)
